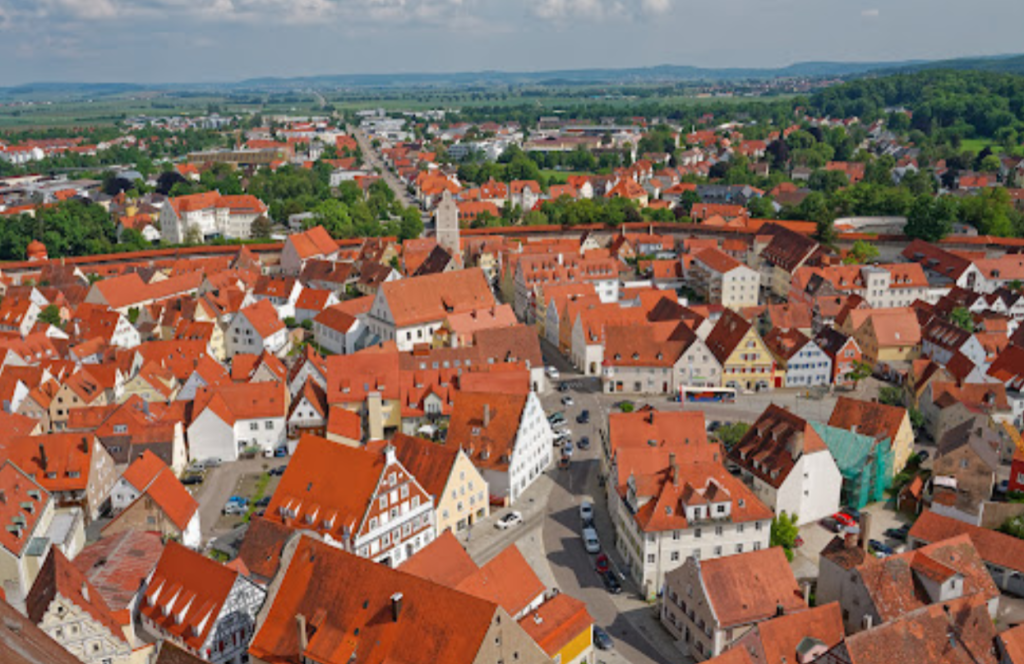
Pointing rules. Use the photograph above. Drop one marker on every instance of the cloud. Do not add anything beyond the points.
(870, 13)
(598, 10)
(267, 12)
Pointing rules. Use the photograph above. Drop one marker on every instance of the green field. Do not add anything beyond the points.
(976, 145)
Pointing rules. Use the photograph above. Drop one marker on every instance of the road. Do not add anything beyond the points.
(374, 160)
(550, 539)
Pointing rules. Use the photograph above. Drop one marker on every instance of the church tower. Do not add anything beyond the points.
(447, 222)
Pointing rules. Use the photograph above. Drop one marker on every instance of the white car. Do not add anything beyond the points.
(567, 400)
(552, 373)
(513, 518)
(586, 510)
(590, 541)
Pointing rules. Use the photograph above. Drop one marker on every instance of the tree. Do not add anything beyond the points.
(261, 228)
(411, 225)
(929, 219)
(890, 395)
(861, 370)
(51, 315)
(962, 318)
(784, 532)
(990, 164)
(861, 253)
(732, 433)
(334, 216)
(761, 207)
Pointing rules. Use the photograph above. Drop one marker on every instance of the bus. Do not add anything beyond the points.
(707, 394)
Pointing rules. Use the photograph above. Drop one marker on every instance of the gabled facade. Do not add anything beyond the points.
(788, 466)
(201, 606)
(380, 511)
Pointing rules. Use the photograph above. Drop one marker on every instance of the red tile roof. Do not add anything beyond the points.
(59, 576)
(436, 296)
(118, 565)
(750, 587)
(242, 401)
(557, 622)
(994, 547)
(347, 602)
(188, 584)
(17, 524)
(314, 242)
(263, 317)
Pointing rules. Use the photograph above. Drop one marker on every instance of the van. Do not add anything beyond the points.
(590, 541)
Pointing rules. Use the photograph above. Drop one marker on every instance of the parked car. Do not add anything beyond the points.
(190, 479)
(563, 387)
(242, 500)
(1003, 486)
(555, 418)
(552, 373)
(274, 472)
(587, 510)
(583, 443)
(602, 564)
(567, 449)
(923, 456)
(263, 502)
(881, 548)
(583, 417)
(844, 519)
(567, 400)
(563, 431)
(234, 509)
(212, 462)
(590, 541)
(281, 451)
(563, 463)
(715, 425)
(602, 640)
(898, 534)
(509, 520)
(611, 582)
(851, 512)
(830, 524)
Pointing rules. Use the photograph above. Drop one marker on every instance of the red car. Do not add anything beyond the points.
(844, 519)
(601, 564)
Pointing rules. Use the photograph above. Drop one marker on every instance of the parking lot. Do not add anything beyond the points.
(246, 478)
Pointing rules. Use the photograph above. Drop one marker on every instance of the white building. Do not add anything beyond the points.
(722, 279)
(693, 509)
(507, 437)
(209, 215)
(409, 311)
(233, 417)
(255, 329)
(789, 467)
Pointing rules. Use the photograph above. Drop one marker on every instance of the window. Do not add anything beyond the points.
(650, 558)
(254, 426)
(674, 557)
(405, 491)
(696, 533)
(383, 502)
(268, 425)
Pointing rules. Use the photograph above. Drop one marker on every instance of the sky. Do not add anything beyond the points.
(183, 41)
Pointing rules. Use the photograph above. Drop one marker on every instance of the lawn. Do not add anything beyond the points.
(976, 145)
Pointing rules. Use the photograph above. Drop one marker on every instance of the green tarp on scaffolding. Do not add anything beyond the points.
(865, 463)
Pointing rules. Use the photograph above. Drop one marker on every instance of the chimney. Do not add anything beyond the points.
(300, 625)
(865, 529)
(396, 606)
(807, 592)
(850, 540)
(85, 591)
(868, 621)
(487, 415)
(779, 610)
(673, 467)
(375, 416)
(796, 444)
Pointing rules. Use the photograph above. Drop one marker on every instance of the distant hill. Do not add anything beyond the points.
(658, 73)
(636, 75)
(1001, 64)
